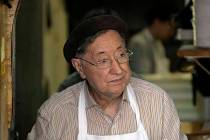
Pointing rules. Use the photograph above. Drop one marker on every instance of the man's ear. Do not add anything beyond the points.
(77, 64)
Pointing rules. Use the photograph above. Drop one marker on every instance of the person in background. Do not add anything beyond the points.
(149, 56)
(108, 103)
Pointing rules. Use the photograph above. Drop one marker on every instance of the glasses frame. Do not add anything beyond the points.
(129, 53)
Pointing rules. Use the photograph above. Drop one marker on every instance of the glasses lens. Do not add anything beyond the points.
(104, 63)
(123, 56)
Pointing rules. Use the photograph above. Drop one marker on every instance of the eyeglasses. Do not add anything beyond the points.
(104, 62)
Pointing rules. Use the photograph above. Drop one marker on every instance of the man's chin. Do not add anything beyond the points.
(117, 90)
(115, 95)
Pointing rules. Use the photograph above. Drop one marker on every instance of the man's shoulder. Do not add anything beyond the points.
(139, 38)
(64, 99)
(142, 87)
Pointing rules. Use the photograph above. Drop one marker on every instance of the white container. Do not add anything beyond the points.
(201, 23)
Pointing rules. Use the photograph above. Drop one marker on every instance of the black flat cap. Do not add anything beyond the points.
(89, 27)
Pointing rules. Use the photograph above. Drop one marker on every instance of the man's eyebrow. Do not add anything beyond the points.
(100, 52)
(119, 47)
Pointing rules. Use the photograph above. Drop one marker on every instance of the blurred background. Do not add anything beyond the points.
(41, 29)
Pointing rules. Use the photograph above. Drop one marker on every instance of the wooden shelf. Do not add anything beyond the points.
(192, 51)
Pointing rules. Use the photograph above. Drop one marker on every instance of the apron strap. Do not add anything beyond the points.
(82, 118)
(133, 103)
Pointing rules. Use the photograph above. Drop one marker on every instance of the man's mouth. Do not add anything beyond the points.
(116, 81)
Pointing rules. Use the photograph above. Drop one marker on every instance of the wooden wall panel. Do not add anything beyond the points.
(7, 15)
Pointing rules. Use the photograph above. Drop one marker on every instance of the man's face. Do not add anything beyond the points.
(109, 81)
(167, 29)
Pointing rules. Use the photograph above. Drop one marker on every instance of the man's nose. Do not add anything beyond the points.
(116, 67)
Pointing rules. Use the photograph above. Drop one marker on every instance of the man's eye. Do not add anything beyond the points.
(123, 54)
(103, 61)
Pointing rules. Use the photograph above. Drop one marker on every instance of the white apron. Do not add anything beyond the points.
(140, 134)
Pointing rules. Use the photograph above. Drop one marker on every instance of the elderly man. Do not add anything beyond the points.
(109, 104)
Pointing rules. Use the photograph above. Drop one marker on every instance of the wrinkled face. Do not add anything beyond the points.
(109, 81)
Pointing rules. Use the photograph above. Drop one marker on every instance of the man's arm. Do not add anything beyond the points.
(141, 60)
(41, 130)
(171, 122)
(55, 121)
